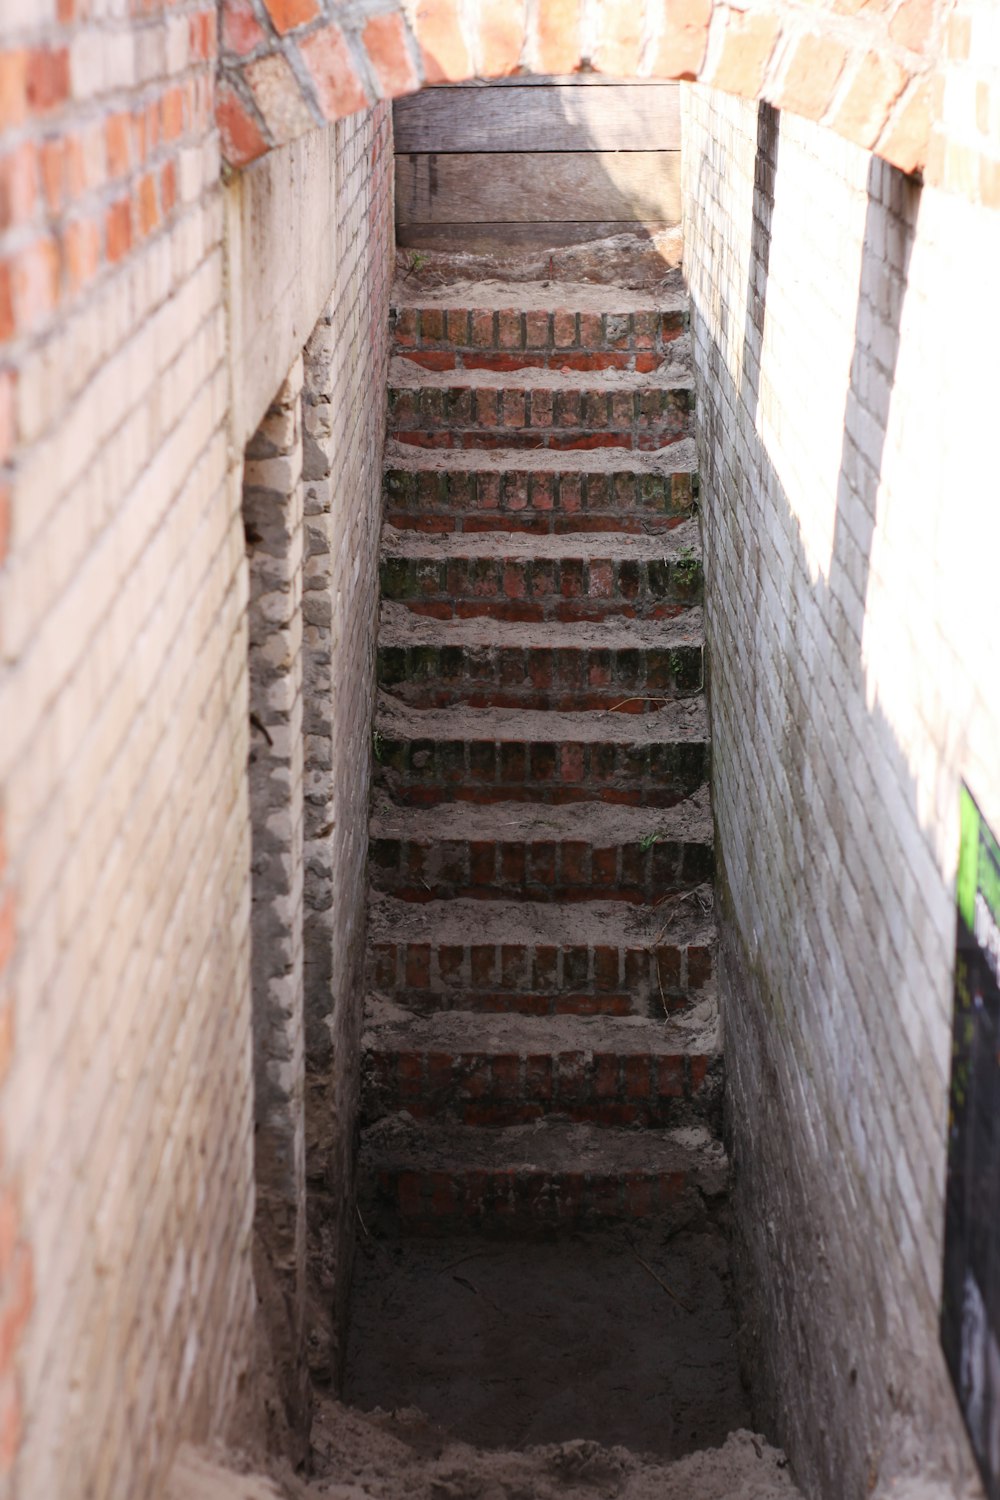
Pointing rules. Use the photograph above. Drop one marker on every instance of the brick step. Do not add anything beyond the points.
(509, 1070)
(539, 409)
(424, 757)
(519, 320)
(543, 958)
(459, 576)
(629, 666)
(513, 850)
(589, 327)
(535, 1179)
(538, 492)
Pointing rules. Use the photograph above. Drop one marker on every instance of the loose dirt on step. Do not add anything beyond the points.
(401, 1456)
(640, 262)
(679, 458)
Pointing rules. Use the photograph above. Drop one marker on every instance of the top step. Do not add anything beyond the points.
(535, 295)
(505, 326)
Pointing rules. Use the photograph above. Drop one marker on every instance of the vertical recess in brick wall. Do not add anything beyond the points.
(272, 514)
(319, 421)
(344, 424)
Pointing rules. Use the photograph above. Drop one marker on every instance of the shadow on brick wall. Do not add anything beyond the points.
(824, 1077)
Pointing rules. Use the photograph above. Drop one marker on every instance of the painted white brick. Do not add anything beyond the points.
(837, 585)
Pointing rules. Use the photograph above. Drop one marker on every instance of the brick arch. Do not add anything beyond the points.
(874, 71)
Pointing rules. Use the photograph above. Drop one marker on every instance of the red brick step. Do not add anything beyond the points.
(585, 577)
(535, 1179)
(446, 335)
(509, 1070)
(539, 492)
(537, 322)
(575, 852)
(541, 1048)
(538, 409)
(424, 757)
(627, 666)
(543, 958)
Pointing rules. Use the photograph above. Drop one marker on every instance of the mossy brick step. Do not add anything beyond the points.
(539, 409)
(626, 666)
(585, 577)
(511, 850)
(534, 1179)
(539, 492)
(425, 757)
(543, 958)
(509, 1070)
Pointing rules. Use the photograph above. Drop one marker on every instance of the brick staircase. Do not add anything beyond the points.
(541, 1048)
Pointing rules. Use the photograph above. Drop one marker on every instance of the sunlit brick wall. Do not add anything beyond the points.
(125, 1110)
(843, 325)
(126, 1115)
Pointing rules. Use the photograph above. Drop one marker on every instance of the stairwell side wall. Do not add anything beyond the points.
(846, 436)
(126, 1073)
(126, 1112)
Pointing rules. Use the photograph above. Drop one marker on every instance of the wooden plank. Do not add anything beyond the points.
(539, 119)
(497, 238)
(524, 189)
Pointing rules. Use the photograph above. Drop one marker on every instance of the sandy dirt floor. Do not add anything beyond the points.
(402, 1456)
(613, 1338)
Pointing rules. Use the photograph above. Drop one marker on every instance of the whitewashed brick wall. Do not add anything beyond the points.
(126, 1106)
(844, 323)
(126, 1116)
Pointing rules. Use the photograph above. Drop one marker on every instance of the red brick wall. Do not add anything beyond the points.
(96, 119)
(917, 81)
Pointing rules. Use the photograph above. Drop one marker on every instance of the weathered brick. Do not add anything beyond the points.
(557, 41)
(385, 40)
(339, 91)
(442, 45)
(619, 38)
(501, 36)
(906, 138)
(286, 15)
(876, 85)
(748, 44)
(242, 139)
(811, 76)
(681, 45)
